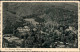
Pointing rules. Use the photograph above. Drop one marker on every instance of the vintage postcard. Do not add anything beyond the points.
(40, 26)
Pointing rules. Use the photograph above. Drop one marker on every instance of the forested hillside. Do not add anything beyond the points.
(40, 25)
(61, 13)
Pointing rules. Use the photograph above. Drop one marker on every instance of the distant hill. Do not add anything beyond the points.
(61, 13)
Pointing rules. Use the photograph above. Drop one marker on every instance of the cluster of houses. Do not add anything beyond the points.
(11, 40)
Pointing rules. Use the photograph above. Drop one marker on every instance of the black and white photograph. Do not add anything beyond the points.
(40, 25)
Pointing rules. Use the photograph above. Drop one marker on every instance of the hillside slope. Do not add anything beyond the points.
(61, 13)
